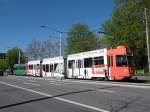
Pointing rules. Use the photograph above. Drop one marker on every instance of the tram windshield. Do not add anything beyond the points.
(121, 60)
(124, 61)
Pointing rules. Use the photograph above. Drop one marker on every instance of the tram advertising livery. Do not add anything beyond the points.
(107, 64)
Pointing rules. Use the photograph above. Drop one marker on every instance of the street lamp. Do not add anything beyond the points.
(19, 56)
(60, 35)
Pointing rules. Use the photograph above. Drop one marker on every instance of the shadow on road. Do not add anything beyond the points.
(138, 80)
(134, 81)
(40, 99)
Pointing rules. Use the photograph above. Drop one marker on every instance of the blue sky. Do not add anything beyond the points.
(20, 20)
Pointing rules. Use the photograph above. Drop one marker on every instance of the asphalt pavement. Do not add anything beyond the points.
(32, 94)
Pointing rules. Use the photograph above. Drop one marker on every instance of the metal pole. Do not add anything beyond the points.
(147, 39)
(60, 49)
(18, 56)
(60, 42)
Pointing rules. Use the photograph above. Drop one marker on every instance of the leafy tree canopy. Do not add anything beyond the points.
(127, 26)
(3, 64)
(80, 39)
(12, 56)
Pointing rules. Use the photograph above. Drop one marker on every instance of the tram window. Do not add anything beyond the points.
(15, 67)
(80, 64)
(23, 67)
(43, 67)
(55, 65)
(38, 66)
(87, 62)
(30, 67)
(70, 63)
(20, 67)
(51, 68)
(121, 60)
(47, 67)
(99, 60)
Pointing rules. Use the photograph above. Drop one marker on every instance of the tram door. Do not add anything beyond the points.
(78, 67)
(72, 67)
(65, 68)
(111, 67)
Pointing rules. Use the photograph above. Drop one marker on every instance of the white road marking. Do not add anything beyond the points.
(56, 84)
(104, 90)
(19, 78)
(31, 83)
(52, 81)
(131, 85)
(65, 83)
(58, 98)
(143, 86)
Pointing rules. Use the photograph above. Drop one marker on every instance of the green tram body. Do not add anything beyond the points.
(19, 69)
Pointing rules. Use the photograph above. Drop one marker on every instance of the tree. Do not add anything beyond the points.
(64, 45)
(3, 64)
(34, 49)
(12, 56)
(48, 47)
(127, 27)
(41, 49)
(80, 39)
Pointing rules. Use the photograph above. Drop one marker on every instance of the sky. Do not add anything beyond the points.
(21, 20)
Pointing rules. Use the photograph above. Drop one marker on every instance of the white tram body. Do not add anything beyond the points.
(109, 64)
(34, 68)
(87, 65)
(53, 67)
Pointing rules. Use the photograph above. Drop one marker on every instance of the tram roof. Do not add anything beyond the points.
(88, 54)
(53, 60)
(34, 62)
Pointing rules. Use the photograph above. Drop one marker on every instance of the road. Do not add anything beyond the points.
(22, 94)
